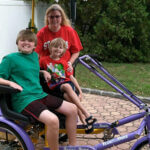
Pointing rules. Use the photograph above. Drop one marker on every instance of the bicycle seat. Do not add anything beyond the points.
(5, 104)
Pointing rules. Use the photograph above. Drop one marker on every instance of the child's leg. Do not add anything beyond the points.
(82, 118)
(52, 123)
(70, 111)
(72, 96)
(67, 89)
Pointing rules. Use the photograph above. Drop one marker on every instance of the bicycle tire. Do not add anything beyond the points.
(10, 138)
(143, 146)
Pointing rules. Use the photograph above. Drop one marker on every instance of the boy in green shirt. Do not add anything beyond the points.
(20, 70)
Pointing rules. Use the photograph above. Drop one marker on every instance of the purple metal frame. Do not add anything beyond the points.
(18, 129)
(130, 96)
(127, 94)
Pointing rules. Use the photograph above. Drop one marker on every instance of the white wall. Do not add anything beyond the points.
(15, 16)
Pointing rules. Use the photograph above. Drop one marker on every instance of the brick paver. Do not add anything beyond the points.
(107, 109)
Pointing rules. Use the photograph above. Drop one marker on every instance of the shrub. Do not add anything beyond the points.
(118, 31)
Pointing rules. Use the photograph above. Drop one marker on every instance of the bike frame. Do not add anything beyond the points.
(127, 94)
(145, 114)
(130, 96)
(18, 129)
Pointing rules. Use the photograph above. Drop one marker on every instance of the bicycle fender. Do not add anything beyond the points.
(20, 131)
(138, 142)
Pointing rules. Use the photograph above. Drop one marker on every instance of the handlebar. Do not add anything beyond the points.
(118, 86)
(7, 89)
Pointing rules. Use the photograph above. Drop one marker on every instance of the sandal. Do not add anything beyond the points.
(88, 128)
(90, 120)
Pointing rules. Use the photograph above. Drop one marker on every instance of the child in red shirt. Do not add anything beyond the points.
(62, 81)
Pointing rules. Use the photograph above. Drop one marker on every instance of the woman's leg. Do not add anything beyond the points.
(52, 123)
(67, 89)
(70, 111)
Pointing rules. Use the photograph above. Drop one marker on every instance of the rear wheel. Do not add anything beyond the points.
(10, 139)
(143, 146)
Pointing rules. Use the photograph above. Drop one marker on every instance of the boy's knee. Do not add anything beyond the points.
(53, 122)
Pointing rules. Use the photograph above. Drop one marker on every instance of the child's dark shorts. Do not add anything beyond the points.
(57, 88)
(36, 107)
(59, 92)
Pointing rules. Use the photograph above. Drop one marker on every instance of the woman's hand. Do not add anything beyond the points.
(70, 68)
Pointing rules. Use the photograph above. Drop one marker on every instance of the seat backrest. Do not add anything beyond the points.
(5, 104)
(46, 88)
(51, 92)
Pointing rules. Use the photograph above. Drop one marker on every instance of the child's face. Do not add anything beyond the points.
(56, 52)
(26, 46)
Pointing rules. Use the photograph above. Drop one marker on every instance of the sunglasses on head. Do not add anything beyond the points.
(57, 16)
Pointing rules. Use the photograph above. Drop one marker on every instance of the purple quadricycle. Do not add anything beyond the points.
(16, 133)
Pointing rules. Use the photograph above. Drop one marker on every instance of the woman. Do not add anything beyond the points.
(58, 25)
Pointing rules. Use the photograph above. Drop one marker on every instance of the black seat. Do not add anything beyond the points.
(46, 88)
(5, 104)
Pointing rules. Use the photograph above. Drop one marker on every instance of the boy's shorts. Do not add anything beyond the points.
(34, 109)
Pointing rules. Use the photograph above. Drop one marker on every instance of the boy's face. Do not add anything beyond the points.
(26, 46)
(56, 52)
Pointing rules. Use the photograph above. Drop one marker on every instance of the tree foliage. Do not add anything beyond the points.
(115, 30)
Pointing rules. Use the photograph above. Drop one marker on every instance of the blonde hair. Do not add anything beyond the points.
(57, 42)
(26, 34)
(65, 20)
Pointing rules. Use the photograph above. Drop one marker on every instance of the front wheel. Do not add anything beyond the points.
(10, 139)
(143, 146)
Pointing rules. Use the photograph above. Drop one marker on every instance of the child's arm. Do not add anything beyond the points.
(75, 82)
(46, 75)
(11, 84)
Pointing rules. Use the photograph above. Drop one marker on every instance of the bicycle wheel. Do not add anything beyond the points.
(143, 146)
(10, 139)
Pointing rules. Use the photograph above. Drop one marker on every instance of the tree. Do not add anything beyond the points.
(118, 30)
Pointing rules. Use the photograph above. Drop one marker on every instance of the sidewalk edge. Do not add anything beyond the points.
(111, 94)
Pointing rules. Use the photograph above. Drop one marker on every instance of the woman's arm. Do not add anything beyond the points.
(10, 83)
(74, 56)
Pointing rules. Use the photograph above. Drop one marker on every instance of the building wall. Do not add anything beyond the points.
(15, 16)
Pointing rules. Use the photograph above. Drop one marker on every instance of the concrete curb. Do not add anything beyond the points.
(111, 94)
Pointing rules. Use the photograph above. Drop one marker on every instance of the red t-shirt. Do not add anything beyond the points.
(45, 36)
(57, 69)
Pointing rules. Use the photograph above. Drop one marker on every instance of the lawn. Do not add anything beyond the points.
(135, 76)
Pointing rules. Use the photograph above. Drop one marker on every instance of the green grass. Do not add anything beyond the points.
(136, 77)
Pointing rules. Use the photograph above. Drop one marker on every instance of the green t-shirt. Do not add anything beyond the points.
(23, 69)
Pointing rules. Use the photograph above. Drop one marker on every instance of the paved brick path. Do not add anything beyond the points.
(107, 109)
